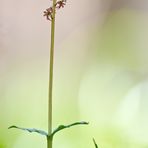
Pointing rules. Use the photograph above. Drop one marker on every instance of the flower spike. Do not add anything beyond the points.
(49, 11)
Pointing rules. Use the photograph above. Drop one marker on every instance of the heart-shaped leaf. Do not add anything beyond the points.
(61, 127)
(41, 132)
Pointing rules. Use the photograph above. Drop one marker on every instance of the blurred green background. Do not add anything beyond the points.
(100, 73)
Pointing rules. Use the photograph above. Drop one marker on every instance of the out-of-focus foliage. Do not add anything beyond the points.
(100, 73)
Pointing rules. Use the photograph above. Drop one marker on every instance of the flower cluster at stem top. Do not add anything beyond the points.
(48, 13)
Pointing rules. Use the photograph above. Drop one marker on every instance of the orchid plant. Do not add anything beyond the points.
(49, 13)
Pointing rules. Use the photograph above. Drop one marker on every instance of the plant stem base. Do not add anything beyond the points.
(49, 142)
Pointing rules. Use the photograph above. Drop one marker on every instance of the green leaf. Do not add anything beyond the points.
(96, 146)
(41, 132)
(61, 127)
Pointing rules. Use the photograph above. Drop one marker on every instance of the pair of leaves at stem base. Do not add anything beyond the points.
(59, 128)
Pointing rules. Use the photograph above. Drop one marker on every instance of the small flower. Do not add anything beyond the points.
(48, 13)
(60, 4)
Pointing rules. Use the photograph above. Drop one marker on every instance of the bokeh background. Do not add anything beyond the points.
(100, 73)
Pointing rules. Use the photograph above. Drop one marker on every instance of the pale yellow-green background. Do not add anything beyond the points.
(100, 73)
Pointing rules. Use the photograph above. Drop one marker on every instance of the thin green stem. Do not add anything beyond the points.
(49, 140)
